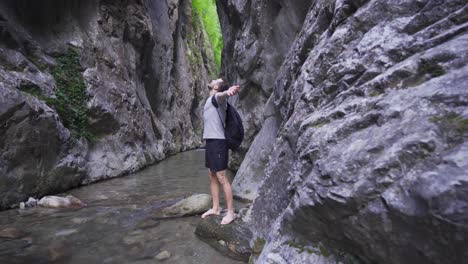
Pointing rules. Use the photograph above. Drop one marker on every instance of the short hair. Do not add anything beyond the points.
(223, 86)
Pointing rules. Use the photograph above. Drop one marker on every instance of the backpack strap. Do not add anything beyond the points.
(216, 105)
(214, 102)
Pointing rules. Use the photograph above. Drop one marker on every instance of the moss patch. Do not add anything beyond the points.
(258, 246)
(453, 126)
(432, 68)
(320, 123)
(70, 101)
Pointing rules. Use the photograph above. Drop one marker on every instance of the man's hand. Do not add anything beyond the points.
(233, 90)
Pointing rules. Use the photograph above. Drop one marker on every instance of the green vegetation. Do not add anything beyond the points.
(375, 93)
(194, 53)
(454, 127)
(258, 246)
(70, 101)
(209, 15)
(320, 123)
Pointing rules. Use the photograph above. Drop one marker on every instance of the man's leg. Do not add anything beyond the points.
(214, 187)
(221, 175)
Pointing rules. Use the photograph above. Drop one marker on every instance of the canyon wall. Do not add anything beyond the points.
(357, 119)
(95, 89)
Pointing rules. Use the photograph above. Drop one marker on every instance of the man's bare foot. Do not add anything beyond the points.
(211, 212)
(230, 216)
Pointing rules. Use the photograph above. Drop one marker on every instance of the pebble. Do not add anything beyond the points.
(65, 232)
(163, 255)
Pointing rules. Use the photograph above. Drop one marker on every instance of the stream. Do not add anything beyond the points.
(117, 225)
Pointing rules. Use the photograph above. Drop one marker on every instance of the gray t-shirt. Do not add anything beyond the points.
(213, 127)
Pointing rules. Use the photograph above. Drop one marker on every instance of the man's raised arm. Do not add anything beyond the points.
(229, 92)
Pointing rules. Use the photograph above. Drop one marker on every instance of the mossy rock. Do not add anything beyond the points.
(231, 240)
(258, 246)
(71, 98)
(452, 126)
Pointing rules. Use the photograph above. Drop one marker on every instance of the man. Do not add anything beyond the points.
(216, 152)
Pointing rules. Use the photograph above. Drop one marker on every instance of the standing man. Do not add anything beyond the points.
(216, 152)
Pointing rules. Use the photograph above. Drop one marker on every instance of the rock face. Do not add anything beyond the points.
(143, 66)
(257, 36)
(369, 159)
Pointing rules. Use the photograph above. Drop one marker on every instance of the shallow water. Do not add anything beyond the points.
(117, 225)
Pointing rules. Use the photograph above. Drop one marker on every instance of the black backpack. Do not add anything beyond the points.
(233, 128)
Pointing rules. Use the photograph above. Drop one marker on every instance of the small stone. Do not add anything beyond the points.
(163, 255)
(80, 220)
(149, 223)
(31, 202)
(66, 232)
(58, 253)
(222, 243)
(22, 206)
(12, 232)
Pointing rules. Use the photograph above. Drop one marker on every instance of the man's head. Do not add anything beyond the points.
(218, 85)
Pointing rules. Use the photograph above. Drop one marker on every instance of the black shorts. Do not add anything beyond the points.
(216, 154)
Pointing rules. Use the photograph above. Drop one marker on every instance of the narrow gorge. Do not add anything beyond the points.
(355, 116)
(92, 90)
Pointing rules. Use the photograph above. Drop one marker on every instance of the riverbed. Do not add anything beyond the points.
(118, 225)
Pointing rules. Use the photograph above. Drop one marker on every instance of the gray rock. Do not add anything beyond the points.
(163, 255)
(251, 173)
(257, 36)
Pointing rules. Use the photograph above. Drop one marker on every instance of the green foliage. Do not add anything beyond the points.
(70, 101)
(258, 246)
(207, 11)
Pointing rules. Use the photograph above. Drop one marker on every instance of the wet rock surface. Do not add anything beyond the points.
(368, 161)
(232, 240)
(144, 67)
